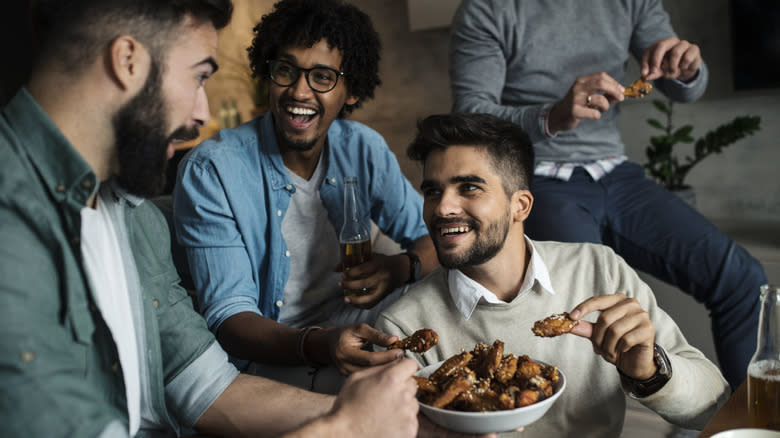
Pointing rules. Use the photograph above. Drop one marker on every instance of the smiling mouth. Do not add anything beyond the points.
(300, 116)
(452, 231)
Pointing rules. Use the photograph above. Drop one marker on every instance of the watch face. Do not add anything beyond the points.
(414, 267)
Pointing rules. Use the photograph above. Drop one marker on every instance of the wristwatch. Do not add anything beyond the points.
(644, 388)
(414, 267)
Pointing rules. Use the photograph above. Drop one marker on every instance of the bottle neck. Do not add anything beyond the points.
(769, 322)
(351, 205)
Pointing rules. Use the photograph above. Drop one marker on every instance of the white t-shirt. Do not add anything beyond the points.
(103, 261)
(311, 294)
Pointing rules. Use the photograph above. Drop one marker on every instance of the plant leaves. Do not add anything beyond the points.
(656, 124)
(685, 131)
(665, 168)
(661, 106)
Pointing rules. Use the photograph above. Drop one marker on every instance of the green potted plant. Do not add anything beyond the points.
(667, 169)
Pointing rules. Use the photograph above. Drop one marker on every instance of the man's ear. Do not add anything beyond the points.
(521, 203)
(351, 100)
(128, 63)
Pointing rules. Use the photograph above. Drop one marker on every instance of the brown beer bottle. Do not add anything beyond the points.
(764, 367)
(355, 238)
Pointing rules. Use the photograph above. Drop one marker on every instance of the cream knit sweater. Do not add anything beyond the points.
(593, 403)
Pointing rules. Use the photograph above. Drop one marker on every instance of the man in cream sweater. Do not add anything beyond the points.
(495, 282)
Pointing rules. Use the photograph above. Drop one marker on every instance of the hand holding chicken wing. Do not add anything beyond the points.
(419, 342)
(622, 334)
(671, 58)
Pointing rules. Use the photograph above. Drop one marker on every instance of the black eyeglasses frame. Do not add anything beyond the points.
(305, 71)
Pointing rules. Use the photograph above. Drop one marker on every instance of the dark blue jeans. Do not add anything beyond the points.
(656, 232)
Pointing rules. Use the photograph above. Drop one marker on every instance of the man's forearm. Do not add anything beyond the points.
(250, 336)
(254, 406)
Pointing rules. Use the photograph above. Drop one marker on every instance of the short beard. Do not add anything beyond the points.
(483, 249)
(142, 143)
(301, 146)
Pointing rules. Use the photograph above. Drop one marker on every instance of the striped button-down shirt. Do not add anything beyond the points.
(563, 170)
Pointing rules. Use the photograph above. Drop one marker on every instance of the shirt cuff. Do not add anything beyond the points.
(115, 429)
(544, 120)
(191, 393)
(690, 83)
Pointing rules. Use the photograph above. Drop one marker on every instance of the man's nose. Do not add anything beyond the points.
(449, 204)
(300, 88)
(200, 112)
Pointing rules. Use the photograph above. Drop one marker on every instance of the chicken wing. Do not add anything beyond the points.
(450, 366)
(640, 88)
(554, 325)
(490, 360)
(459, 382)
(419, 342)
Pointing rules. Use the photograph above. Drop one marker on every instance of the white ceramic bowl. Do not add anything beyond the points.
(747, 433)
(488, 422)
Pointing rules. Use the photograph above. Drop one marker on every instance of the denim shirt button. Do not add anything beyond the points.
(288, 187)
(333, 180)
(279, 303)
(287, 253)
(28, 356)
(278, 212)
(155, 303)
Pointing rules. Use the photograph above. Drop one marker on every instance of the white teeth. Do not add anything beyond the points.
(444, 231)
(301, 111)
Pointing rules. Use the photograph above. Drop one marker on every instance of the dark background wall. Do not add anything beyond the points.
(741, 183)
(16, 46)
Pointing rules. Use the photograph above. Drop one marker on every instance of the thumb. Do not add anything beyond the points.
(583, 329)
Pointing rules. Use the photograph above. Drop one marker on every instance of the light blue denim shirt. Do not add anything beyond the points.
(233, 191)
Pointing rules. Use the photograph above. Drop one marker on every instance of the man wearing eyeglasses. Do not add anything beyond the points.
(258, 208)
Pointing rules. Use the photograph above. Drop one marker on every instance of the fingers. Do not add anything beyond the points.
(587, 98)
(349, 355)
(367, 298)
(363, 401)
(671, 58)
(598, 91)
(621, 326)
(372, 280)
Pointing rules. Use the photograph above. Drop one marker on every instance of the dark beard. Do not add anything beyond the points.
(291, 145)
(285, 143)
(141, 139)
(484, 248)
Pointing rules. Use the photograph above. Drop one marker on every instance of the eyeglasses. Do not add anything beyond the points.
(320, 79)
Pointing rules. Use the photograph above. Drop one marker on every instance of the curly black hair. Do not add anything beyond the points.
(303, 23)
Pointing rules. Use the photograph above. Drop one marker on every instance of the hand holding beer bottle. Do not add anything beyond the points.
(355, 237)
(764, 367)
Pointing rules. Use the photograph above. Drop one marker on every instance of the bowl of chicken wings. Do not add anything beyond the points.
(485, 390)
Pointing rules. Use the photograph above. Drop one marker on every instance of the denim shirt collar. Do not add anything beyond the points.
(270, 147)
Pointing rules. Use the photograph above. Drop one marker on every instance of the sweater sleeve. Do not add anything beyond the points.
(652, 24)
(478, 67)
(697, 389)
